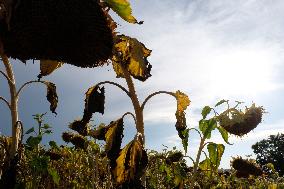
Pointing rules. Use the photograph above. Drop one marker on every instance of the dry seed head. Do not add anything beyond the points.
(53, 155)
(78, 141)
(67, 136)
(238, 123)
(175, 157)
(246, 166)
(80, 126)
(55, 30)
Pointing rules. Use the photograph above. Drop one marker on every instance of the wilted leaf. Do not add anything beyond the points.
(51, 96)
(215, 153)
(30, 130)
(95, 100)
(48, 66)
(181, 122)
(205, 111)
(123, 9)
(132, 55)
(182, 101)
(113, 137)
(182, 104)
(131, 163)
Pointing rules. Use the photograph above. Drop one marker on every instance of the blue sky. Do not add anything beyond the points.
(211, 50)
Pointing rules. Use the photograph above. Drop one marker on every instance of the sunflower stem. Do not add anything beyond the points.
(13, 103)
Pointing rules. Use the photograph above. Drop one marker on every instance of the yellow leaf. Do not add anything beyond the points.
(131, 54)
(120, 172)
(182, 101)
(113, 136)
(48, 66)
(123, 9)
(131, 162)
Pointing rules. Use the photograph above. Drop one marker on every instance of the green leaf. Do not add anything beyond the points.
(185, 139)
(48, 131)
(207, 126)
(30, 130)
(221, 102)
(123, 9)
(215, 153)
(205, 165)
(205, 111)
(34, 141)
(53, 144)
(39, 163)
(54, 174)
(224, 134)
(46, 126)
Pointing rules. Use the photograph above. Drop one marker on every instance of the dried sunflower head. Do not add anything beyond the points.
(80, 126)
(240, 123)
(79, 141)
(58, 30)
(174, 157)
(246, 167)
(67, 136)
(53, 155)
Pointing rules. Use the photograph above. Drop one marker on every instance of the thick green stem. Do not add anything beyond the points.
(13, 104)
(137, 108)
(201, 146)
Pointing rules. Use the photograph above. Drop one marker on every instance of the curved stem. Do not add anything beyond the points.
(190, 159)
(196, 131)
(5, 75)
(129, 113)
(156, 93)
(204, 154)
(205, 144)
(7, 103)
(25, 84)
(115, 84)
(13, 103)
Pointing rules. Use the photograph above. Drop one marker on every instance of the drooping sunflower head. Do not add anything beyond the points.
(245, 167)
(240, 123)
(67, 136)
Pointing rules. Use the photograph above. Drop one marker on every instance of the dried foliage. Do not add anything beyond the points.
(51, 96)
(48, 66)
(131, 54)
(131, 164)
